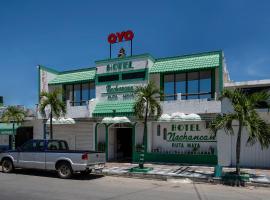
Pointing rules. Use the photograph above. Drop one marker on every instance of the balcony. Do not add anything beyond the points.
(198, 106)
(77, 110)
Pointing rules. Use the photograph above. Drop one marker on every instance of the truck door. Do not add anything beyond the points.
(32, 155)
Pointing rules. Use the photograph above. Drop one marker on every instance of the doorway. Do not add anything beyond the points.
(124, 144)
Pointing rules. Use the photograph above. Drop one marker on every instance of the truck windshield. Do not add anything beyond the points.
(57, 145)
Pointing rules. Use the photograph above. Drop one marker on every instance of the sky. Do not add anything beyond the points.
(72, 34)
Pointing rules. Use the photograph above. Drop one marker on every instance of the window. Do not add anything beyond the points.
(79, 94)
(33, 145)
(57, 145)
(134, 75)
(165, 134)
(108, 78)
(191, 85)
(69, 92)
(180, 80)
(169, 87)
(158, 130)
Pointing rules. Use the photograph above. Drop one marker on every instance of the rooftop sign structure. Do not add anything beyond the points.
(120, 37)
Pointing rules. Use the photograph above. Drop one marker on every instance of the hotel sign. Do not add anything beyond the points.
(119, 66)
(120, 36)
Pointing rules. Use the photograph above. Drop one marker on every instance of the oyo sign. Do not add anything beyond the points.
(119, 37)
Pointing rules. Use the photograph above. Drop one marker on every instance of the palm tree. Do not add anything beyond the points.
(14, 115)
(57, 106)
(244, 112)
(146, 106)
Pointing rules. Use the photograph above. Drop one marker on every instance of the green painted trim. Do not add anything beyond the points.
(39, 84)
(107, 140)
(189, 55)
(178, 158)
(74, 82)
(186, 70)
(133, 141)
(105, 61)
(221, 71)
(119, 114)
(78, 70)
(96, 139)
(48, 69)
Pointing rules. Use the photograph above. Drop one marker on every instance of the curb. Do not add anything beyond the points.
(210, 180)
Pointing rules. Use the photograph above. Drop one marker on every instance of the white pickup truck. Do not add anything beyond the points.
(52, 155)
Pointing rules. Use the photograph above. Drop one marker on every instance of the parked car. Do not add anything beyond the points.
(52, 155)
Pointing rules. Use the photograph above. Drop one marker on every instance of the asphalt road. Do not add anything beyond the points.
(29, 185)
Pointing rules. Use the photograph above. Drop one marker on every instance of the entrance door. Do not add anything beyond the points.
(124, 144)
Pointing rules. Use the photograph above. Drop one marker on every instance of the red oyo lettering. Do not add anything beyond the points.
(112, 38)
(129, 35)
(118, 37)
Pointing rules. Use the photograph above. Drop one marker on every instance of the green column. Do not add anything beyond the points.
(107, 140)
(133, 141)
(96, 141)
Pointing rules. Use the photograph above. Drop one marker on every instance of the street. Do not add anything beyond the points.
(26, 184)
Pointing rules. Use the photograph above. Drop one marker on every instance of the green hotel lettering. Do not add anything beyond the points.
(178, 137)
(119, 66)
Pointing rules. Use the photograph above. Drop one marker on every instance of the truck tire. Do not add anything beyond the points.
(7, 165)
(64, 170)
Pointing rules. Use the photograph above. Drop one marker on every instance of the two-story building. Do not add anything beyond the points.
(101, 99)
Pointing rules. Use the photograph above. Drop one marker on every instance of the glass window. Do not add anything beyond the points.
(205, 82)
(193, 82)
(165, 134)
(77, 95)
(108, 78)
(180, 80)
(57, 145)
(158, 130)
(69, 93)
(169, 87)
(133, 75)
(85, 93)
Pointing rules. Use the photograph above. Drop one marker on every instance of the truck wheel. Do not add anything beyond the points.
(64, 170)
(7, 166)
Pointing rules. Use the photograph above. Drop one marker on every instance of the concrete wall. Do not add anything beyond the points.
(251, 156)
(79, 135)
(38, 127)
(198, 106)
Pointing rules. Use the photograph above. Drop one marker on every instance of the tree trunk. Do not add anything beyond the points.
(238, 148)
(13, 137)
(51, 128)
(141, 162)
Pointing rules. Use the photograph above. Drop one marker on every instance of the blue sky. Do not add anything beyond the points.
(70, 34)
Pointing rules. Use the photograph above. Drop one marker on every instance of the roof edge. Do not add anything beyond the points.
(190, 55)
(125, 58)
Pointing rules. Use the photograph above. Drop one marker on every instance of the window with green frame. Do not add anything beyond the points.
(191, 85)
(79, 93)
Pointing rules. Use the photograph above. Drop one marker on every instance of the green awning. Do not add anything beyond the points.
(75, 76)
(7, 128)
(187, 63)
(106, 109)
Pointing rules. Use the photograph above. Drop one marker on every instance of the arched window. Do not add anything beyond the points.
(158, 130)
(165, 133)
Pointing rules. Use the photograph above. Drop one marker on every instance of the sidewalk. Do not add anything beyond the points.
(195, 173)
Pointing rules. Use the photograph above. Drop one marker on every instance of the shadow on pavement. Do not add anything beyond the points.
(53, 174)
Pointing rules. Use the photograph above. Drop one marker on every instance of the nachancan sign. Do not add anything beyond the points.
(183, 137)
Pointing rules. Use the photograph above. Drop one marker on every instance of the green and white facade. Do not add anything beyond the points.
(100, 100)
